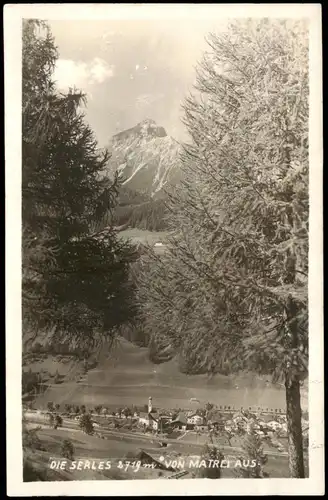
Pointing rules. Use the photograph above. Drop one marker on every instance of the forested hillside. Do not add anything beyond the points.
(136, 210)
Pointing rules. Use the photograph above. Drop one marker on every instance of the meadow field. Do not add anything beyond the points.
(143, 236)
(127, 377)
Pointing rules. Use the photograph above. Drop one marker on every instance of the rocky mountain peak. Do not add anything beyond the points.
(147, 129)
(145, 156)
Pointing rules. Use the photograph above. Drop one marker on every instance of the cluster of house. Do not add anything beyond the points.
(251, 422)
(262, 423)
(158, 422)
(242, 420)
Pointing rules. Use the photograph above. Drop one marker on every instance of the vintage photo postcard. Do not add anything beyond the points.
(164, 255)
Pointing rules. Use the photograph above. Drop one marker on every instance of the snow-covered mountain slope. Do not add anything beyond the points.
(146, 157)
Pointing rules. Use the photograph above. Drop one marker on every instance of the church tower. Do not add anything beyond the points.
(150, 405)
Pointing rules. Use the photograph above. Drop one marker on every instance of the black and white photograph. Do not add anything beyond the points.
(167, 161)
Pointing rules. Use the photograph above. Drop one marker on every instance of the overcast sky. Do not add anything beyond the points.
(131, 70)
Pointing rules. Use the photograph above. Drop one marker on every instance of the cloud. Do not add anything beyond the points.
(100, 71)
(69, 73)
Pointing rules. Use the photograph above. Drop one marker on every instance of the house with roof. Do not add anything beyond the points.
(195, 419)
(143, 419)
(164, 421)
(215, 419)
(149, 420)
(152, 419)
(149, 459)
(180, 421)
(239, 417)
(273, 425)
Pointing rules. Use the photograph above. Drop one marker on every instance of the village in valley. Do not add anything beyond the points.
(166, 435)
(202, 420)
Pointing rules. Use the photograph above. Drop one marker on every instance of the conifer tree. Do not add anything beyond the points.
(67, 449)
(232, 289)
(250, 465)
(73, 279)
(86, 424)
(213, 458)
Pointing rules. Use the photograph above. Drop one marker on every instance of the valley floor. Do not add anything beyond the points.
(117, 447)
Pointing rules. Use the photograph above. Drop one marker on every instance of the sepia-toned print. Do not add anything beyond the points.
(165, 231)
